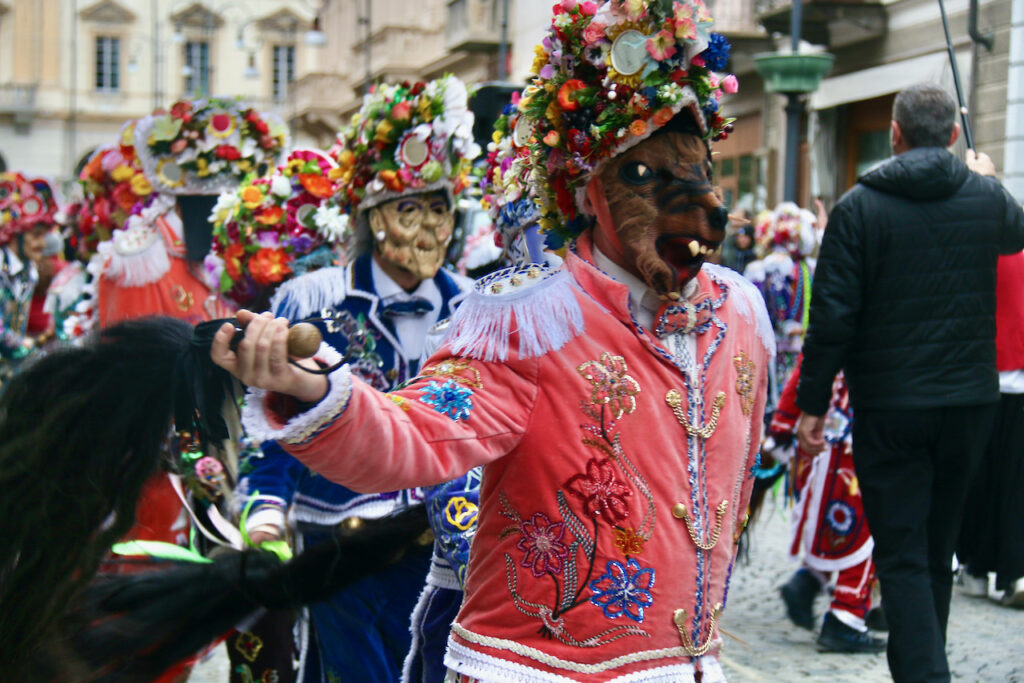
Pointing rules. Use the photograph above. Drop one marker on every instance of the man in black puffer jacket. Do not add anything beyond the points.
(904, 302)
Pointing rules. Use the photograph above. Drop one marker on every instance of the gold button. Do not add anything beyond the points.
(679, 511)
(391, 374)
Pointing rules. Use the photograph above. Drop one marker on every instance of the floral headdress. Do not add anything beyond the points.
(262, 227)
(113, 188)
(406, 138)
(24, 202)
(607, 76)
(788, 228)
(208, 146)
(508, 194)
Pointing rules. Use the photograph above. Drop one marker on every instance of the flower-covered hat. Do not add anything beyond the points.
(789, 228)
(608, 75)
(113, 188)
(406, 138)
(24, 202)
(208, 146)
(262, 227)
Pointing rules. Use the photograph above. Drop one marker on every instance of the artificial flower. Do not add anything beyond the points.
(252, 197)
(316, 184)
(122, 173)
(280, 186)
(331, 223)
(661, 45)
(270, 215)
(268, 266)
(233, 255)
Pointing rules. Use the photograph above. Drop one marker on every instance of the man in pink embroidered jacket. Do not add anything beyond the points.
(615, 404)
(617, 442)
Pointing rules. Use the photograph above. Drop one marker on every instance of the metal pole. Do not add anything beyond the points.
(503, 48)
(794, 110)
(796, 20)
(968, 138)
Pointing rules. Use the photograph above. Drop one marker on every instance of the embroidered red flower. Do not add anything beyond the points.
(602, 494)
(542, 543)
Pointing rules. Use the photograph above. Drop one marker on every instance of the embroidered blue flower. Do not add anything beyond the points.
(624, 590)
(840, 517)
(449, 399)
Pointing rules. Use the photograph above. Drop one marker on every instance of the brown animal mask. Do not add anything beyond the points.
(658, 214)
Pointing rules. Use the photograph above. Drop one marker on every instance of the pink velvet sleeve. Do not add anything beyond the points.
(457, 415)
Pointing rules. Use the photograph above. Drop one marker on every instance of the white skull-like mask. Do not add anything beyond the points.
(413, 232)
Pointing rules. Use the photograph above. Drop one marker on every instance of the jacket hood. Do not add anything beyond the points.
(923, 173)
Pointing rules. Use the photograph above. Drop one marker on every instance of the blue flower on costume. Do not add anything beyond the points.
(840, 517)
(448, 399)
(624, 590)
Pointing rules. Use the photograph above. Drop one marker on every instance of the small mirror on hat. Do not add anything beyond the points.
(629, 51)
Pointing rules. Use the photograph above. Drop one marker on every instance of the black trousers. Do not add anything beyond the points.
(914, 468)
(991, 537)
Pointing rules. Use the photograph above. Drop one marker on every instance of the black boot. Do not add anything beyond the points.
(875, 619)
(798, 593)
(838, 637)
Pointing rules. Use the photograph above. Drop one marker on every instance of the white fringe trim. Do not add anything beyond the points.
(309, 294)
(489, 669)
(547, 316)
(304, 425)
(135, 257)
(414, 622)
(748, 301)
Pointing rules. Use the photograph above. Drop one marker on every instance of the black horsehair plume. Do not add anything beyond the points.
(81, 430)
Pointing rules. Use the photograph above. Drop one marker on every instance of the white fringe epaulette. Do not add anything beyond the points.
(748, 301)
(309, 294)
(136, 256)
(542, 301)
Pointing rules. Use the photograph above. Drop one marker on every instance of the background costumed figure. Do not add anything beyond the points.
(401, 163)
(28, 208)
(266, 231)
(596, 556)
(788, 242)
(830, 531)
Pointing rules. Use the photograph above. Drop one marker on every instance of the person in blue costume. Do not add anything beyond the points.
(452, 507)
(378, 311)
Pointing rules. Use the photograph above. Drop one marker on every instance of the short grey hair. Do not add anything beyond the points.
(926, 114)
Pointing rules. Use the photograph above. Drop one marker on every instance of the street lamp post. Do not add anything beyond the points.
(794, 75)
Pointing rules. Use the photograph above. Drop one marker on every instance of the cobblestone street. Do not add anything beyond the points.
(986, 640)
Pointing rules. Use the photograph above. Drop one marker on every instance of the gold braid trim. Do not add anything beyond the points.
(679, 512)
(679, 617)
(674, 400)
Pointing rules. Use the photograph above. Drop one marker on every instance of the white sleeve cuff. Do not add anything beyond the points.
(304, 426)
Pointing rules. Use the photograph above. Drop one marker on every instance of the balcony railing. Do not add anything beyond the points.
(473, 25)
